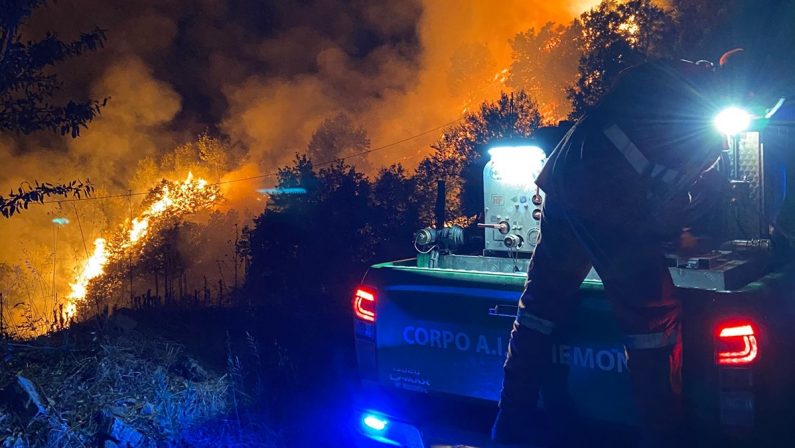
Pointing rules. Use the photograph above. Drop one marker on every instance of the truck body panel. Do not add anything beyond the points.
(444, 332)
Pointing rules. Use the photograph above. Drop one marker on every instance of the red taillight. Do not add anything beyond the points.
(736, 344)
(364, 304)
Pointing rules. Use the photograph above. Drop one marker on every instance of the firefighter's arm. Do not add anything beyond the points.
(707, 193)
(704, 213)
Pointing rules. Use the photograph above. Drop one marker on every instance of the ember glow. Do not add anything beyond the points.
(169, 199)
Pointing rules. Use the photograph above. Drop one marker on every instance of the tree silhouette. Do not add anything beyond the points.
(459, 156)
(395, 213)
(323, 227)
(325, 218)
(27, 84)
(616, 36)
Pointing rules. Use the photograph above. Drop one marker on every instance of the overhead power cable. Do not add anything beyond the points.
(266, 175)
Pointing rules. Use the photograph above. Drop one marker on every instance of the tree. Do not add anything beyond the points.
(325, 220)
(702, 32)
(337, 137)
(459, 156)
(545, 65)
(471, 70)
(27, 84)
(299, 176)
(616, 36)
(395, 213)
(207, 157)
(214, 153)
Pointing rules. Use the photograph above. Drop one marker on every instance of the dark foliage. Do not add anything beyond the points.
(708, 28)
(27, 81)
(318, 237)
(617, 36)
(460, 155)
(322, 240)
(25, 195)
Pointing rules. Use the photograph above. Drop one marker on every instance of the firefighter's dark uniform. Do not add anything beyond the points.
(616, 186)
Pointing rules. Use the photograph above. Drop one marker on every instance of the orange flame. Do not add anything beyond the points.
(92, 269)
(176, 198)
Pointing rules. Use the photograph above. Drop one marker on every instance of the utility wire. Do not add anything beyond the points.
(271, 174)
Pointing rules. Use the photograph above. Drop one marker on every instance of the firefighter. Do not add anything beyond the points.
(617, 187)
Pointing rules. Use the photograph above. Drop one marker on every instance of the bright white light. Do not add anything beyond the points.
(375, 423)
(732, 121)
(517, 165)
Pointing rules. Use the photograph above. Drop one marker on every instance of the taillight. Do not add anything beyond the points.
(736, 344)
(364, 304)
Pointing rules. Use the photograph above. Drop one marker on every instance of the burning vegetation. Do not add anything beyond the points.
(104, 272)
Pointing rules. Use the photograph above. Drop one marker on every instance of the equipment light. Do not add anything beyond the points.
(60, 221)
(732, 121)
(517, 165)
(736, 344)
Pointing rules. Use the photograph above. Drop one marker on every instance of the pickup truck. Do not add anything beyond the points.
(431, 335)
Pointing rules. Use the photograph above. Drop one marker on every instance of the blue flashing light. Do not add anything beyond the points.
(374, 423)
(377, 426)
(60, 221)
(273, 191)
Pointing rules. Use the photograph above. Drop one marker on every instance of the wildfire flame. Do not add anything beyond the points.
(91, 270)
(630, 29)
(173, 199)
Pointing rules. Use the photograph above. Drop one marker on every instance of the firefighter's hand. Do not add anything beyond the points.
(690, 245)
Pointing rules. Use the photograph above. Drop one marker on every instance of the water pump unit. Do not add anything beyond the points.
(512, 200)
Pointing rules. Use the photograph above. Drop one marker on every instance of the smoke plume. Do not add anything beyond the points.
(262, 75)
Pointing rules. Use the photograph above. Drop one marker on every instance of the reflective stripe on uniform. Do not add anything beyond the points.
(635, 156)
(533, 322)
(651, 340)
(631, 152)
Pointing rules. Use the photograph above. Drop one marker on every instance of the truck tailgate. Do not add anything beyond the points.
(443, 331)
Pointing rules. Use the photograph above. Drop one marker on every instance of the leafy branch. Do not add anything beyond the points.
(27, 80)
(27, 194)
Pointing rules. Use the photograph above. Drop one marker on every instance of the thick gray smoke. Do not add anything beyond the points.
(262, 74)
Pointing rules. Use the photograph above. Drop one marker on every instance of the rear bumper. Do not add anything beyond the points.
(445, 421)
(424, 420)
(417, 420)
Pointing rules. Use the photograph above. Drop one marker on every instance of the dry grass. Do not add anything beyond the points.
(141, 381)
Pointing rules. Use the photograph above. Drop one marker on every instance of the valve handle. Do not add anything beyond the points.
(503, 227)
